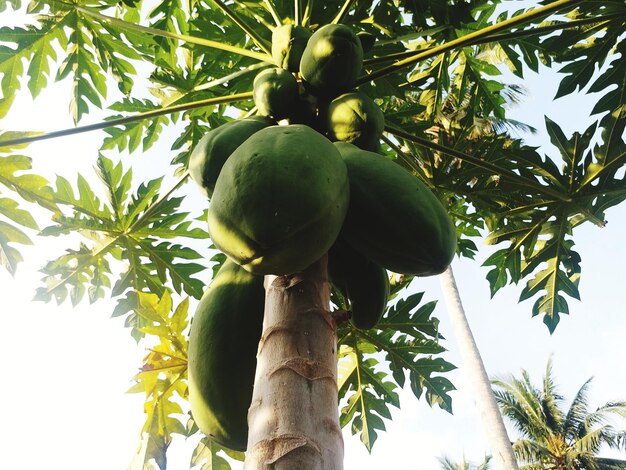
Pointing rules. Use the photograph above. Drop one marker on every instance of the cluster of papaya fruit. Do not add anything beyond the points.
(283, 195)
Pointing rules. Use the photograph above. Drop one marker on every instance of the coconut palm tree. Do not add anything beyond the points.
(448, 464)
(556, 438)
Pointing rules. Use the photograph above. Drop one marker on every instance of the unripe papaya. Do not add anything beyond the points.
(394, 219)
(332, 60)
(223, 342)
(275, 93)
(357, 119)
(288, 43)
(364, 283)
(367, 40)
(209, 155)
(280, 200)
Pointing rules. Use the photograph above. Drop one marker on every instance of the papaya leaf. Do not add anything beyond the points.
(10, 257)
(131, 228)
(583, 50)
(405, 340)
(113, 53)
(205, 456)
(33, 44)
(137, 134)
(168, 15)
(14, 4)
(15, 177)
(507, 264)
(162, 377)
(76, 273)
(9, 208)
(367, 391)
(89, 83)
(613, 100)
(188, 139)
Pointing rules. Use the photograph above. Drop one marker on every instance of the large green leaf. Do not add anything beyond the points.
(540, 240)
(405, 341)
(15, 177)
(162, 378)
(450, 99)
(27, 43)
(132, 228)
(206, 456)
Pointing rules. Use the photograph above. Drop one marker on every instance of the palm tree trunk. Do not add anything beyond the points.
(294, 420)
(493, 424)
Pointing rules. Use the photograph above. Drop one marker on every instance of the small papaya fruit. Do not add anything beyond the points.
(332, 60)
(209, 155)
(357, 119)
(364, 283)
(275, 93)
(288, 43)
(367, 40)
(223, 341)
(280, 200)
(394, 219)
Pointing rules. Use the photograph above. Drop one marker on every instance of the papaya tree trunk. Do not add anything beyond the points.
(493, 424)
(293, 420)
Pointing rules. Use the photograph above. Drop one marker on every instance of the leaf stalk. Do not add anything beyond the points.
(258, 40)
(479, 163)
(127, 119)
(180, 37)
(468, 39)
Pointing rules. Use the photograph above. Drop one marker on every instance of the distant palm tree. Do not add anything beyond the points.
(447, 464)
(554, 439)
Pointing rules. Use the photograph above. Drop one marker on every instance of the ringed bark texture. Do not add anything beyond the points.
(293, 420)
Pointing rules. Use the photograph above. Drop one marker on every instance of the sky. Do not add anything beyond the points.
(66, 370)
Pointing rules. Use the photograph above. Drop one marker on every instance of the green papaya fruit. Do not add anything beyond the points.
(394, 219)
(209, 155)
(275, 93)
(357, 119)
(332, 60)
(364, 283)
(367, 40)
(306, 112)
(288, 43)
(280, 200)
(223, 342)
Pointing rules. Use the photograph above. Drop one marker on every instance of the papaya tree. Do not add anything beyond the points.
(429, 72)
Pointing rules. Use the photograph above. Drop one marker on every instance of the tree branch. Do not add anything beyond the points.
(343, 12)
(296, 13)
(167, 34)
(154, 206)
(406, 159)
(232, 76)
(467, 39)
(126, 120)
(273, 12)
(509, 175)
(258, 40)
(601, 20)
(257, 17)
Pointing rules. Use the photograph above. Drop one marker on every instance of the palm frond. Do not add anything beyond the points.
(577, 413)
(448, 464)
(589, 443)
(550, 400)
(530, 452)
(610, 464)
(522, 404)
(554, 439)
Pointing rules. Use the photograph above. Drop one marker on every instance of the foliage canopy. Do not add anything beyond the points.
(436, 70)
